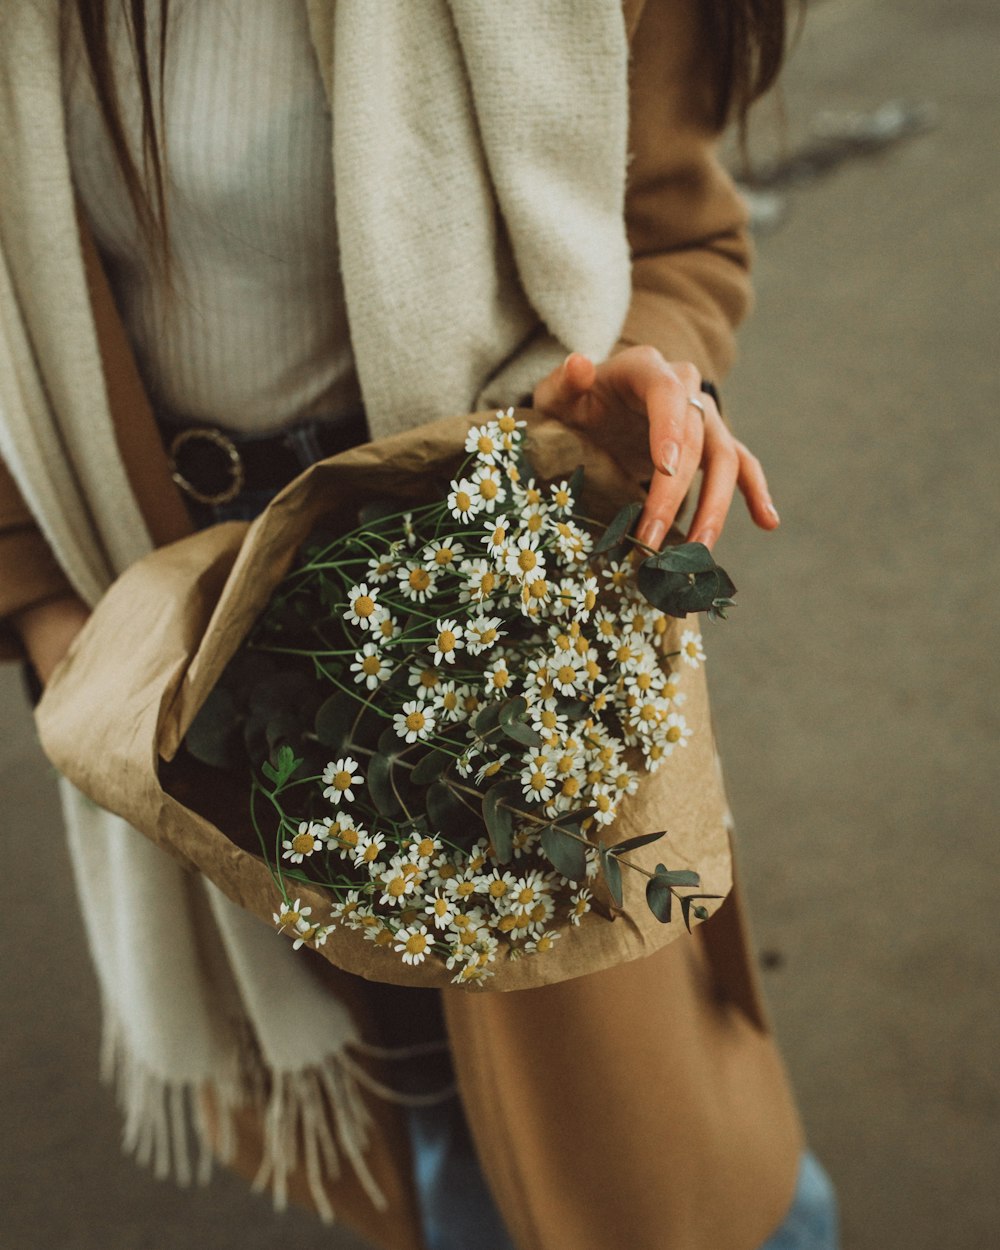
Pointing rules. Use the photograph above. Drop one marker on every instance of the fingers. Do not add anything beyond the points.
(753, 487)
(558, 391)
(722, 468)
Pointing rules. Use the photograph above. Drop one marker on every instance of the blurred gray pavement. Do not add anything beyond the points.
(855, 692)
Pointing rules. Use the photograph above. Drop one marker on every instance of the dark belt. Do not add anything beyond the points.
(212, 465)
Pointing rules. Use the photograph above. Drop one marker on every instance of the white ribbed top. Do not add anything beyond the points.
(258, 336)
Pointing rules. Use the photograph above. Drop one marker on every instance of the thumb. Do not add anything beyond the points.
(557, 392)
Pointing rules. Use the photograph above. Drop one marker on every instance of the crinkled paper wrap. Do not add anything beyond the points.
(113, 717)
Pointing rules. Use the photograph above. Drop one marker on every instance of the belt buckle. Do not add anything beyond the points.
(232, 463)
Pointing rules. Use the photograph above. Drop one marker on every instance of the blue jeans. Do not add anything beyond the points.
(458, 1211)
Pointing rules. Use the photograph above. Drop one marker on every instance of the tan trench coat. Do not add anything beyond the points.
(645, 1106)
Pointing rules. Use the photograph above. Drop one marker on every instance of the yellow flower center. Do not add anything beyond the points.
(348, 837)
(303, 844)
(364, 605)
(385, 938)
(447, 871)
(602, 802)
(290, 918)
(498, 889)
(500, 678)
(411, 870)
(465, 888)
(485, 444)
(644, 680)
(647, 713)
(444, 555)
(371, 666)
(534, 523)
(429, 678)
(370, 853)
(567, 674)
(538, 912)
(539, 781)
(549, 719)
(589, 600)
(415, 721)
(416, 943)
(396, 887)
(562, 498)
(507, 923)
(607, 629)
(425, 847)
(527, 894)
(571, 787)
(507, 423)
(419, 579)
(491, 770)
(566, 763)
(488, 488)
(463, 501)
(386, 627)
(499, 536)
(673, 734)
(543, 944)
(342, 780)
(446, 640)
(593, 669)
(527, 560)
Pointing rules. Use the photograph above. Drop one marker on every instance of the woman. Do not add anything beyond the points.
(491, 247)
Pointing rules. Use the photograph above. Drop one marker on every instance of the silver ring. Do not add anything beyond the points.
(693, 399)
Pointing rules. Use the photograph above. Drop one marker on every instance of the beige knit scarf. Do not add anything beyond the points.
(479, 159)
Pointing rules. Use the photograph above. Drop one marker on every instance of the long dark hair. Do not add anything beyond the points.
(749, 37)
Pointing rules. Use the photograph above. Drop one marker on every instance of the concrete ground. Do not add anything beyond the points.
(855, 693)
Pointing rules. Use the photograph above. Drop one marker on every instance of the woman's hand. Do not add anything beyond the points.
(48, 628)
(636, 403)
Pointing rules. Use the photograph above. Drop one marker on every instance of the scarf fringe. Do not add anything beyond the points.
(312, 1118)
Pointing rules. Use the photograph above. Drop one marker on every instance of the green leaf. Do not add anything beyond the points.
(620, 525)
(575, 817)
(566, 854)
(576, 482)
(679, 593)
(680, 876)
(334, 720)
(512, 710)
(643, 839)
(215, 734)
(688, 905)
(487, 719)
(379, 779)
(612, 875)
(446, 813)
(284, 766)
(659, 895)
(429, 767)
(517, 731)
(498, 817)
(390, 744)
(683, 558)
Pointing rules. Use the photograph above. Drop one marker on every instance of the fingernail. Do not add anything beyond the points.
(654, 534)
(671, 454)
(773, 511)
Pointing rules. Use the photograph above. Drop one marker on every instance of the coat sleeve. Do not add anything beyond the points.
(687, 224)
(29, 573)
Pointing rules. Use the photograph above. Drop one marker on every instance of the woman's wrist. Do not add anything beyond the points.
(46, 629)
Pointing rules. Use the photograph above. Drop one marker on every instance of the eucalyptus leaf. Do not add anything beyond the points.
(566, 854)
(688, 904)
(512, 710)
(659, 896)
(446, 812)
(499, 818)
(487, 719)
(620, 525)
(334, 719)
(642, 839)
(518, 731)
(612, 875)
(379, 779)
(429, 767)
(215, 734)
(681, 593)
(576, 482)
(683, 558)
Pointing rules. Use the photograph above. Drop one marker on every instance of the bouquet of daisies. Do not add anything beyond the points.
(444, 709)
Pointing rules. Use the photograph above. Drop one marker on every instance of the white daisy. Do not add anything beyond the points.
(523, 560)
(381, 569)
(497, 678)
(299, 847)
(413, 943)
(415, 721)
(539, 945)
(481, 581)
(441, 908)
(416, 581)
(442, 552)
(371, 666)
(426, 679)
(489, 488)
(397, 884)
(362, 606)
(314, 934)
(562, 496)
(485, 443)
(339, 777)
(675, 732)
(289, 914)
(386, 627)
(538, 777)
(579, 905)
(368, 848)
(464, 501)
(482, 632)
(496, 536)
(448, 640)
(691, 649)
(491, 768)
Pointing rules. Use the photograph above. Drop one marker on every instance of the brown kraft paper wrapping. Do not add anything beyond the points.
(116, 710)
